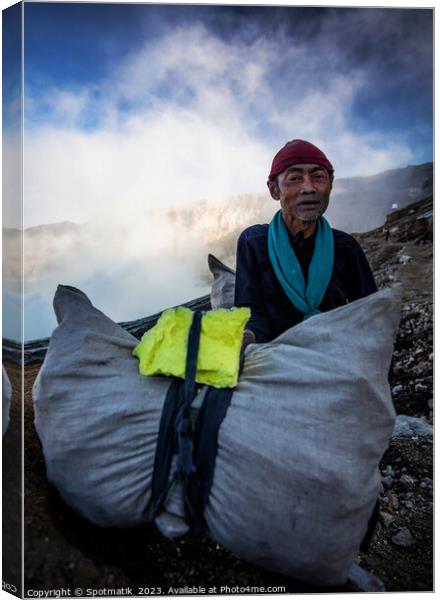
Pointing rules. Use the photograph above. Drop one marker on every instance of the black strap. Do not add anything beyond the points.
(183, 422)
(175, 426)
(196, 446)
(209, 419)
(166, 447)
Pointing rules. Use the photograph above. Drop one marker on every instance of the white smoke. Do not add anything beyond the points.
(197, 112)
(188, 117)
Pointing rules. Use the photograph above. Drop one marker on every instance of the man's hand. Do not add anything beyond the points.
(248, 338)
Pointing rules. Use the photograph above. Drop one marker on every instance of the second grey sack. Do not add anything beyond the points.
(296, 475)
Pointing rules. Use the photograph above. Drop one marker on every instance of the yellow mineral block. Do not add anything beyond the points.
(162, 349)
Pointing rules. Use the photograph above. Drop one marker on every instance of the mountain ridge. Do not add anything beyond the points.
(416, 182)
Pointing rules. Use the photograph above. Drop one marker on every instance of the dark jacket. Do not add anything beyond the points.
(258, 287)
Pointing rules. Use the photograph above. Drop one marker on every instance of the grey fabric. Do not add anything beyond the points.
(97, 418)
(223, 287)
(300, 445)
(296, 475)
(6, 400)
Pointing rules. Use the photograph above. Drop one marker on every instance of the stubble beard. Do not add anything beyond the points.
(313, 217)
(308, 219)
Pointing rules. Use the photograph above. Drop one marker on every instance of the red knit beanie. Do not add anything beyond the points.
(298, 152)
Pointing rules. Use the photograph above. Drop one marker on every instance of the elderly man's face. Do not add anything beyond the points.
(303, 191)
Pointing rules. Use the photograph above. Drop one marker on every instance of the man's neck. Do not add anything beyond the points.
(294, 226)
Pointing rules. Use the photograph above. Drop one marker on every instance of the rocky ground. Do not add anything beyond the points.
(64, 551)
(401, 551)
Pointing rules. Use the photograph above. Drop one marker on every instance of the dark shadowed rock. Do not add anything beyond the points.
(411, 427)
(403, 538)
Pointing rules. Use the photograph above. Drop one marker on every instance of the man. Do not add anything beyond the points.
(298, 265)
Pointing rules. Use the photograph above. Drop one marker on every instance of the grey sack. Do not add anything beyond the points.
(296, 475)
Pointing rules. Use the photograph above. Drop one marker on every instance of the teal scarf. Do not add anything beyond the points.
(288, 270)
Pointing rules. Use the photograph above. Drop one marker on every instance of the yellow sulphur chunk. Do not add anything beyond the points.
(162, 349)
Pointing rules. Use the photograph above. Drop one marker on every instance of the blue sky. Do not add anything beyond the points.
(171, 104)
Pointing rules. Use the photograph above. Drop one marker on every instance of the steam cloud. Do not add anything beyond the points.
(186, 118)
(190, 117)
